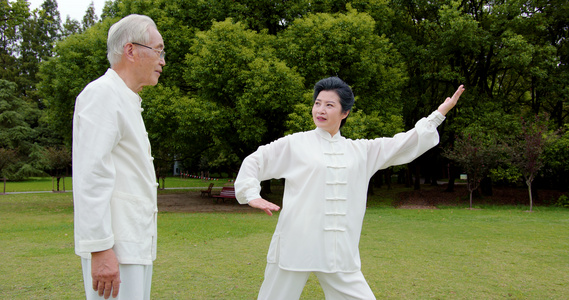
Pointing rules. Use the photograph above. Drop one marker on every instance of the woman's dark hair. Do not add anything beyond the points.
(341, 88)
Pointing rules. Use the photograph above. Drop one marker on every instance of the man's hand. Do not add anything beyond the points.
(264, 205)
(451, 102)
(105, 273)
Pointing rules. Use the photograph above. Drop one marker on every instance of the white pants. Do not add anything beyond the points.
(135, 282)
(281, 284)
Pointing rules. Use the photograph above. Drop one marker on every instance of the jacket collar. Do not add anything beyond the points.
(327, 136)
(119, 81)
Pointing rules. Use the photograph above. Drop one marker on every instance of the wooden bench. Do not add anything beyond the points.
(208, 191)
(227, 192)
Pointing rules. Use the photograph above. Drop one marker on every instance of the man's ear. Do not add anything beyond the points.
(129, 51)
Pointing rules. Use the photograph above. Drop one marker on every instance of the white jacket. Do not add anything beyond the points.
(114, 182)
(326, 182)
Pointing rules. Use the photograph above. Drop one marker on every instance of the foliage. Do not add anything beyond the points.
(563, 201)
(361, 126)
(80, 59)
(402, 59)
(70, 27)
(476, 156)
(556, 160)
(300, 119)
(54, 160)
(90, 18)
(527, 151)
(8, 157)
(501, 51)
(14, 130)
(241, 81)
(13, 15)
(346, 45)
(39, 34)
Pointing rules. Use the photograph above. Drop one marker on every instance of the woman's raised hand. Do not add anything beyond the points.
(450, 102)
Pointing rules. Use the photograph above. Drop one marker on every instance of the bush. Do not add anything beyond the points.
(563, 201)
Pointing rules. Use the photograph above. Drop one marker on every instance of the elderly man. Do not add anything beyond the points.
(114, 182)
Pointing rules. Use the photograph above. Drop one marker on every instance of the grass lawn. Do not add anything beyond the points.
(451, 253)
(36, 184)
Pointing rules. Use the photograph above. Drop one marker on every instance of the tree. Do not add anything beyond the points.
(240, 80)
(506, 53)
(90, 17)
(79, 59)
(55, 161)
(345, 45)
(14, 130)
(71, 26)
(556, 161)
(7, 158)
(13, 16)
(163, 108)
(527, 152)
(476, 156)
(400, 57)
(39, 35)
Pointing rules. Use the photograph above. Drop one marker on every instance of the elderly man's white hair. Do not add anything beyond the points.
(132, 28)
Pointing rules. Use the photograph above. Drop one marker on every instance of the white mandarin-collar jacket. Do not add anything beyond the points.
(326, 182)
(114, 182)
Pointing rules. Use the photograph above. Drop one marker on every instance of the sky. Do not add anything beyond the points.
(74, 8)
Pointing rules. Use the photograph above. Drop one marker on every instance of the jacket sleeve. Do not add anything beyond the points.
(406, 146)
(95, 134)
(269, 161)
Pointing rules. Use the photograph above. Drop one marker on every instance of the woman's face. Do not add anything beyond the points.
(327, 112)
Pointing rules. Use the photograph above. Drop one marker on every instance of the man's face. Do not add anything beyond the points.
(149, 62)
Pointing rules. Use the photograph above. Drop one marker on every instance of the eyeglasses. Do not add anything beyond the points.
(161, 51)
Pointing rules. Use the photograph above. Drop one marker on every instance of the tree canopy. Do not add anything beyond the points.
(239, 73)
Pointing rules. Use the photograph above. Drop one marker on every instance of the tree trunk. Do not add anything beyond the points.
(530, 197)
(417, 185)
(387, 175)
(451, 177)
(408, 176)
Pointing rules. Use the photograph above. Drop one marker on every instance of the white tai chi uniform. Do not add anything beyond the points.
(324, 201)
(114, 181)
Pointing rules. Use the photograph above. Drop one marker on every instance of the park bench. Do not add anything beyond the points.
(208, 191)
(227, 192)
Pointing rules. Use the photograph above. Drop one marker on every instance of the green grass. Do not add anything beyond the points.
(37, 184)
(451, 253)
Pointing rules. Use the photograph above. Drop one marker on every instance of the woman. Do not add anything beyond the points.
(326, 179)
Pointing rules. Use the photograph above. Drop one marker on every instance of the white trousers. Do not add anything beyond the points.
(281, 284)
(135, 282)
